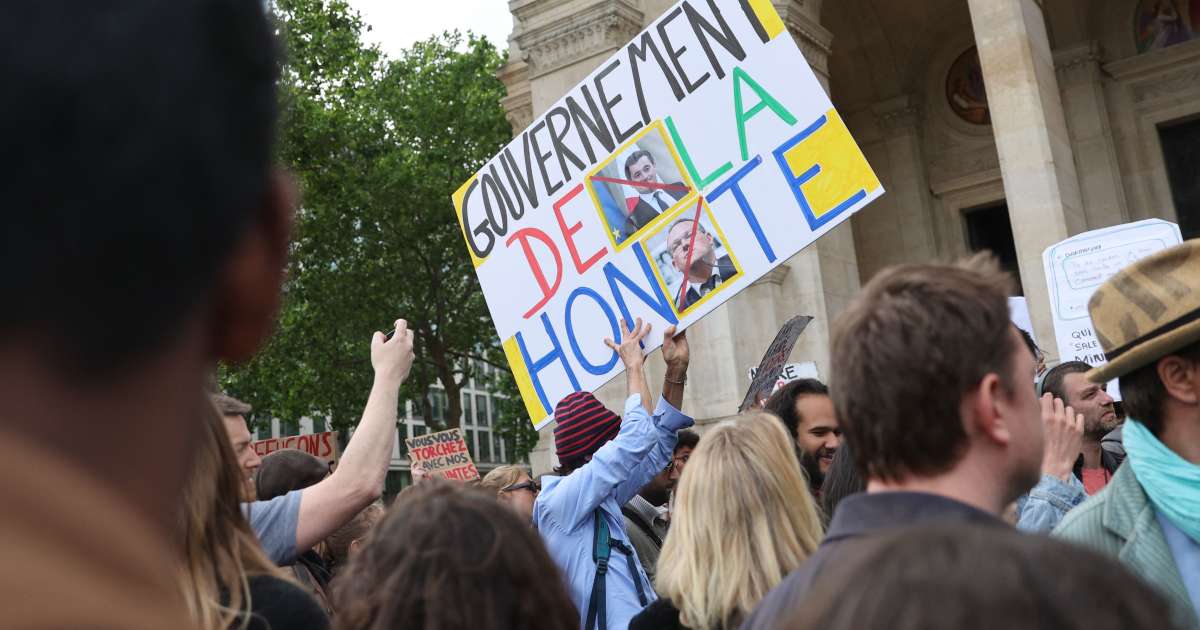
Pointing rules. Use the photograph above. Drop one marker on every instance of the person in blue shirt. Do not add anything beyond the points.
(604, 461)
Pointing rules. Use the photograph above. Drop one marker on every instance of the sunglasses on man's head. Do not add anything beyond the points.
(531, 486)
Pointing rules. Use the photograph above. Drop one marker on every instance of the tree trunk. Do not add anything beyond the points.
(442, 363)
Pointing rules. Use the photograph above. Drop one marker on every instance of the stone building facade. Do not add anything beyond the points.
(993, 124)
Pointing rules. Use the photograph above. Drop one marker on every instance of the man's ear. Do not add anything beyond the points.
(247, 297)
(982, 411)
(1181, 378)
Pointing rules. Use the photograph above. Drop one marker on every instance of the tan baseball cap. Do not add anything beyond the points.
(1147, 310)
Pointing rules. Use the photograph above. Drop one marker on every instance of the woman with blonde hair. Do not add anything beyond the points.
(227, 580)
(514, 488)
(743, 520)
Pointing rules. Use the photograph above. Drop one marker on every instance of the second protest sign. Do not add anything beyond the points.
(443, 454)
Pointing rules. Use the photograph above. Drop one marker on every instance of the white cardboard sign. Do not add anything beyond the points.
(1077, 266)
(698, 157)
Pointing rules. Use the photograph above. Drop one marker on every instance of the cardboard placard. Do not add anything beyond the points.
(324, 445)
(443, 454)
(697, 158)
(773, 362)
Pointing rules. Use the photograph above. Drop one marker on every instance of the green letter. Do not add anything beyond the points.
(765, 100)
(701, 182)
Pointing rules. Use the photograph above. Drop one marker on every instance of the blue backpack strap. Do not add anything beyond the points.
(633, 570)
(601, 550)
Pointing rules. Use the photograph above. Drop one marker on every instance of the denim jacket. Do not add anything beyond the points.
(1047, 503)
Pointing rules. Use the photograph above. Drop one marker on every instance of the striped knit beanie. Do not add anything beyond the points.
(582, 426)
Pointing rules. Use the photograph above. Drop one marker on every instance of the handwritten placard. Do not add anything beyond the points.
(323, 445)
(698, 157)
(443, 454)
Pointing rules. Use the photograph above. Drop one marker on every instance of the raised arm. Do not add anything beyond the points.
(666, 417)
(676, 354)
(358, 479)
(640, 450)
(630, 351)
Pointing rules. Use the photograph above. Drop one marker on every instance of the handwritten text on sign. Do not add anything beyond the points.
(694, 160)
(316, 444)
(443, 454)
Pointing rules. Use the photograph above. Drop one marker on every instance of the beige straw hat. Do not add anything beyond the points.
(1147, 310)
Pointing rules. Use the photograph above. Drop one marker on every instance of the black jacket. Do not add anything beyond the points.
(724, 269)
(661, 614)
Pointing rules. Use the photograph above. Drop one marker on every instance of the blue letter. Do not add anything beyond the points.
(658, 301)
(732, 183)
(814, 220)
(550, 357)
(612, 322)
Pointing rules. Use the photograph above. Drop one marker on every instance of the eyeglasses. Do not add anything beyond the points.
(530, 485)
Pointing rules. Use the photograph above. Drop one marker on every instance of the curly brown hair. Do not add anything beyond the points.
(448, 557)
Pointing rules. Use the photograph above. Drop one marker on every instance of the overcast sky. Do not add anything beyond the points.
(396, 24)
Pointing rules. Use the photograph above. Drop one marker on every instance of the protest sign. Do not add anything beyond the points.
(323, 445)
(1077, 266)
(698, 157)
(443, 454)
(792, 372)
(767, 373)
(1018, 314)
(789, 373)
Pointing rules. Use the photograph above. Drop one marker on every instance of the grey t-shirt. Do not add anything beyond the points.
(274, 522)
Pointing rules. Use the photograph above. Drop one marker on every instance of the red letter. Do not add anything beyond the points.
(568, 232)
(547, 290)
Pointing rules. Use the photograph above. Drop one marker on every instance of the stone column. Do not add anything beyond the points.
(1036, 161)
(1079, 77)
(899, 227)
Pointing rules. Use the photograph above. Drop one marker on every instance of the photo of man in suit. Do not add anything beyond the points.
(707, 271)
(640, 167)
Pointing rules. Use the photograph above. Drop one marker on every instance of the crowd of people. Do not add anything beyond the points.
(936, 482)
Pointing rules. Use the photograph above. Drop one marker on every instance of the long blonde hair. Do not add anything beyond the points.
(221, 551)
(743, 520)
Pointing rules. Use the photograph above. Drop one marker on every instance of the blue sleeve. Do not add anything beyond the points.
(629, 460)
(667, 422)
(274, 522)
(1047, 503)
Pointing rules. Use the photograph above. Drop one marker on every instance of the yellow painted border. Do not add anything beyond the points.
(674, 299)
(457, 199)
(768, 17)
(520, 372)
(683, 175)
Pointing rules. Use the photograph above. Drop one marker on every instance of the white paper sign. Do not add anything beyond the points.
(698, 157)
(1076, 267)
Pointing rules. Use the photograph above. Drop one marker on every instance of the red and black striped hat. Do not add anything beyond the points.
(582, 426)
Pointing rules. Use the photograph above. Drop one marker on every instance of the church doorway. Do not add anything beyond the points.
(1181, 152)
(989, 229)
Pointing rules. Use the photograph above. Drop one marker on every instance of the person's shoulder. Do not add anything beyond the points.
(280, 604)
(1085, 523)
(273, 505)
(661, 613)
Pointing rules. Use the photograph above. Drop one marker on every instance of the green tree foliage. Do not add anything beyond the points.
(376, 146)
